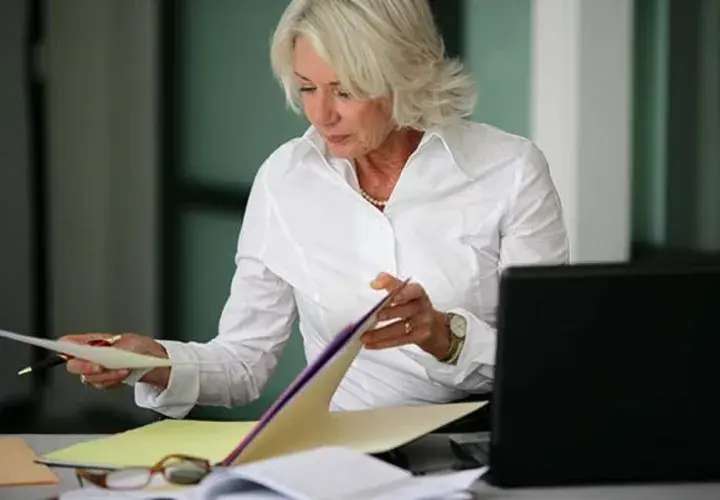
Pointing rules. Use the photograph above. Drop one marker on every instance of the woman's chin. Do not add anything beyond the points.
(344, 150)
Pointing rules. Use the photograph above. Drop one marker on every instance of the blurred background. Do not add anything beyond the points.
(130, 131)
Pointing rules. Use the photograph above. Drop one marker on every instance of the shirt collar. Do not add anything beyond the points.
(449, 137)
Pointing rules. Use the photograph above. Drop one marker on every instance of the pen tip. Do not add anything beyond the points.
(24, 371)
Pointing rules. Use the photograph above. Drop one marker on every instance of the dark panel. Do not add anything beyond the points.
(448, 17)
(682, 130)
(218, 198)
(169, 184)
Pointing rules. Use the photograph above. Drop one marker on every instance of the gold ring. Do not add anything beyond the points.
(408, 327)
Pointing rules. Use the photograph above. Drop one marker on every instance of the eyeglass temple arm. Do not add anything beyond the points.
(97, 478)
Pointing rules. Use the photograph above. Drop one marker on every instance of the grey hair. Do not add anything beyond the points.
(378, 48)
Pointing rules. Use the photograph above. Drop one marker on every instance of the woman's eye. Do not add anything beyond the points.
(343, 94)
(307, 89)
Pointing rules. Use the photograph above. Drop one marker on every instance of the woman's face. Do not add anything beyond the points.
(351, 127)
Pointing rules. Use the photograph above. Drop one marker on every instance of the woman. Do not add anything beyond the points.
(390, 181)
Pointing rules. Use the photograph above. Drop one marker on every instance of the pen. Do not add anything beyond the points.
(62, 358)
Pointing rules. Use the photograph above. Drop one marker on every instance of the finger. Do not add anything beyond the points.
(390, 343)
(385, 281)
(374, 339)
(413, 291)
(402, 311)
(410, 331)
(82, 367)
(108, 377)
(112, 385)
(85, 338)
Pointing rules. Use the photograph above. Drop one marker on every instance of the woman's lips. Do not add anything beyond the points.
(337, 139)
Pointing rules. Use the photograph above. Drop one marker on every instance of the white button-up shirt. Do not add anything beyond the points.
(470, 201)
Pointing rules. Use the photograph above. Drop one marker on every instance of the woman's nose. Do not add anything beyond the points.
(324, 108)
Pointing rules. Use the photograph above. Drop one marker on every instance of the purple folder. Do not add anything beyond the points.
(308, 373)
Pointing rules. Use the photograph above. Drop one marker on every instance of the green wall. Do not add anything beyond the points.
(650, 120)
(497, 50)
(676, 193)
(232, 116)
(234, 112)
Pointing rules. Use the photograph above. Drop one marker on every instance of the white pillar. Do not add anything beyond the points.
(581, 88)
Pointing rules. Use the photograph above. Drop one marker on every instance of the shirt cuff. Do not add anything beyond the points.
(182, 391)
(474, 369)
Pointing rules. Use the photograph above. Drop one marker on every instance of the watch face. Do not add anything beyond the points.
(458, 325)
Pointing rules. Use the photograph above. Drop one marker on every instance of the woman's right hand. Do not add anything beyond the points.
(103, 378)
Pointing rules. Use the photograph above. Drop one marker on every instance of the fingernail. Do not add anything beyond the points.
(124, 373)
(96, 369)
(378, 279)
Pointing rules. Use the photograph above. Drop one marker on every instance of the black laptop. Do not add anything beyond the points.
(607, 373)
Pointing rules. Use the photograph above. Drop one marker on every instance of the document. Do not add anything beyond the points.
(298, 420)
(109, 357)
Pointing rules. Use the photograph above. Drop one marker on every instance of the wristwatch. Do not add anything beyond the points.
(457, 325)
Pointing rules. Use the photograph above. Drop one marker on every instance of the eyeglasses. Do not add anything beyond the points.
(176, 469)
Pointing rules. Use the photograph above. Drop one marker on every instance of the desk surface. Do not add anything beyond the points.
(44, 443)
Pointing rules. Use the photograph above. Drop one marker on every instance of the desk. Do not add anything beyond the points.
(43, 443)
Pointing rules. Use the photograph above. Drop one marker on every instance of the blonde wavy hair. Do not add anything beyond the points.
(378, 48)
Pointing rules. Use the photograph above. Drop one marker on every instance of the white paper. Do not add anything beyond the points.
(108, 357)
(330, 473)
(436, 486)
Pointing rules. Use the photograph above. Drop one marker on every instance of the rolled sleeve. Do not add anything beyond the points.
(183, 389)
(473, 370)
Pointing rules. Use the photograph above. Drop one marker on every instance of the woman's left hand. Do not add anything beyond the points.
(420, 323)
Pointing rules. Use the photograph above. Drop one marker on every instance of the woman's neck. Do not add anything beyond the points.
(390, 158)
(379, 171)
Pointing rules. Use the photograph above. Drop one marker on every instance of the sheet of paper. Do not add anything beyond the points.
(18, 467)
(146, 445)
(109, 357)
(325, 473)
(437, 486)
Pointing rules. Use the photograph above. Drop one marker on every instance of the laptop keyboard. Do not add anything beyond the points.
(472, 448)
(440, 453)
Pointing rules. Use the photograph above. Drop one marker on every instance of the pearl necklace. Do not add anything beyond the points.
(373, 200)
